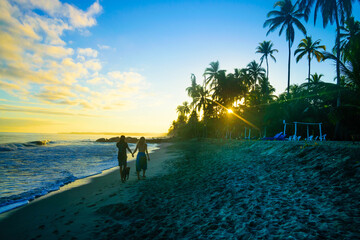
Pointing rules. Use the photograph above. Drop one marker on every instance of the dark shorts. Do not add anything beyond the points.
(141, 162)
(122, 160)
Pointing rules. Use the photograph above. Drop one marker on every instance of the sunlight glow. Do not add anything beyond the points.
(239, 117)
(230, 111)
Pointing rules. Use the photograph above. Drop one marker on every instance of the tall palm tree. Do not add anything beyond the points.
(193, 90)
(255, 72)
(210, 73)
(332, 11)
(350, 34)
(266, 49)
(287, 17)
(307, 46)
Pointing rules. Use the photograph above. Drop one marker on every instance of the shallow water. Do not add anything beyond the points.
(29, 170)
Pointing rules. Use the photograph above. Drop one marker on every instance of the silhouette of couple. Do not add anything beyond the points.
(141, 160)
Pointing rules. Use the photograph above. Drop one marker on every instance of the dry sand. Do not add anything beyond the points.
(210, 190)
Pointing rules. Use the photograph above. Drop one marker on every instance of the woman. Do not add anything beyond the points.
(122, 156)
(141, 162)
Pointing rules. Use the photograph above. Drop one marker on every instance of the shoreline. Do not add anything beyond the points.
(65, 185)
(80, 194)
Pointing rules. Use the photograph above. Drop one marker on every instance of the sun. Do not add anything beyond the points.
(230, 111)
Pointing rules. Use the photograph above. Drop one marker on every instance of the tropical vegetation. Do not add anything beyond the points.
(234, 104)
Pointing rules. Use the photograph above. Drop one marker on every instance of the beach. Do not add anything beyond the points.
(208, 189)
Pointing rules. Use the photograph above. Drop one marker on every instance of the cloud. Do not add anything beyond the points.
(55, 94)
(54, 8)
(126, 77)
(9, 86)
(93, 65)
(39, 110)
(10, 49)
(38, 65)
(79, 18)
(99, 80)
(17, 75)
(87, 52)
(103, 47)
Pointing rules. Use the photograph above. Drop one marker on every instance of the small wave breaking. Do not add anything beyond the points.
(6, 147)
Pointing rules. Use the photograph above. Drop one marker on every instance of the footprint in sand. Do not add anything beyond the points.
(42, 227)
(59, 217)
(112, 195)
(92, 205)
(69, 222)
(55, 232)
(76, 213)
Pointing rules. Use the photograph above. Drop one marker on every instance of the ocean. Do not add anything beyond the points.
(29, 170)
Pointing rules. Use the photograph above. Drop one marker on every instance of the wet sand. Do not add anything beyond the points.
(210, 189)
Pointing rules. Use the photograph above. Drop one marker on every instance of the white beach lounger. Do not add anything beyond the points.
(323, 138)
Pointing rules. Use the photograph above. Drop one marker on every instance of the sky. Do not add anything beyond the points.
(123, 66)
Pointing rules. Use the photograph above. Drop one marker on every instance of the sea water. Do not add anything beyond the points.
(29, 170)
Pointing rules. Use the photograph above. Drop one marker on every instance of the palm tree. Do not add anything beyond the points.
(265, 48)
(255, 72)
(332, 11)
(350, 35)
(315, 78)
(266, 90)
(210, 73)
(203, 101)
(287, 17)
(351, 67)
(193, 90)
(183, 109)
(307, 46)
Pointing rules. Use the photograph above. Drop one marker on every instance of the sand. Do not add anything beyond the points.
(210, 189)
(71, 212)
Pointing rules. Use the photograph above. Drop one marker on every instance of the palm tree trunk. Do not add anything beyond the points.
(309, 68)
(288, 88)
(267, 68)
(338, 102)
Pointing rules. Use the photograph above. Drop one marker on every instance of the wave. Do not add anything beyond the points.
(14, 201)
(6, 147)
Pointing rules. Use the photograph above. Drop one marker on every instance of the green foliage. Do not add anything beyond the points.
(247, 92)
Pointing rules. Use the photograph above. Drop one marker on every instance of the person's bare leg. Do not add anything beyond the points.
(144, 173)
(121, 170)
(138, 173)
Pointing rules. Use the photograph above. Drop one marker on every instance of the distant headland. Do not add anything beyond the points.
(118, 134)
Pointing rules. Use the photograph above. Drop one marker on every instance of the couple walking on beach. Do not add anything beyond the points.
(141, 160)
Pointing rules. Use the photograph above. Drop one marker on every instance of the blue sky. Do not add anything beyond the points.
(123, 66)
